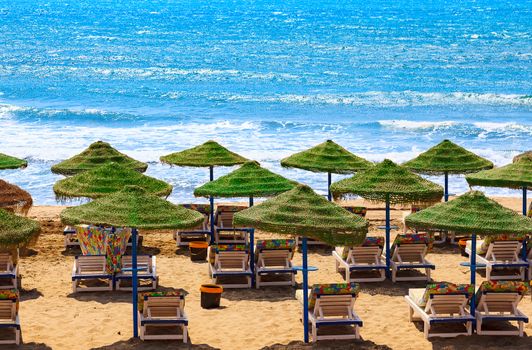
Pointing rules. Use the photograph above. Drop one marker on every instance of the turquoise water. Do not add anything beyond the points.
(265, 78)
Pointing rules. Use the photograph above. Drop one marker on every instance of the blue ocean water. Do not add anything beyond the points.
(264, 78)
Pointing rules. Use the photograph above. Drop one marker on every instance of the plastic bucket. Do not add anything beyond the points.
(210, 295)
(462, 244)
(198, 251)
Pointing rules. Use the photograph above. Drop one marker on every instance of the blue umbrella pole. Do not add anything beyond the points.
(305, 288)
(329, 180)
(250, 202)
(388, 228)
(446, 187)
(252, 255)
(211, 201)
(524, 200)
(473, 268)
(134, 281)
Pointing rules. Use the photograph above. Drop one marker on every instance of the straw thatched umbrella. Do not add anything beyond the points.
(106, 179)
(133, 207)
(14, 198)
(250, 180)
(209, 154)
(16, 231)
(97, 154)
(301, 211)
(9, 162)
(390, 183)
(327, 157)
(514, 175)
(471, 213)
(447, 158)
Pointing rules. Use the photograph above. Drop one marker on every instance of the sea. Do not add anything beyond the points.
(385, 79)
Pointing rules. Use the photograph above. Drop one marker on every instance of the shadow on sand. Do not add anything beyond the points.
(329, 345)
(132, 344)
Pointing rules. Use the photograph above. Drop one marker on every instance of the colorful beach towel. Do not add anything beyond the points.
(216, 248)
(10, 294)
(446, 288)
(502, 287)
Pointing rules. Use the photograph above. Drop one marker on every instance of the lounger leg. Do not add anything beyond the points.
(185, 334)
(410, 314)
(257, 281)
(314, 333)
(357, 332)
(521, 327)
(17, 336)
(426, 329)
(479, 325)
(347, 275)
(74, 286)
(293, 279)
(394, 274)
(488, 273)
(428, 271)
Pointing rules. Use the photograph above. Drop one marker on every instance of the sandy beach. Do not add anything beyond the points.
(54, 318)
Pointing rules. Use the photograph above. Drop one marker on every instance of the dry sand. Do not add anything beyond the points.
(53, 318)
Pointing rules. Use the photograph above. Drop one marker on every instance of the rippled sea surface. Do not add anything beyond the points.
(265, 78)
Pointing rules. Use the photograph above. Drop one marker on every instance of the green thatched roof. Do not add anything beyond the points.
(211, 153)
(513, 175)
(301, 211)
(526, 155)
(447, 157)
(327, 157)
(14, 198)
(388, 179)
(250, 180)
(98, 154)
(8, 162)
(16, 231)
(471, 213)
(132, 207)
(108, 178)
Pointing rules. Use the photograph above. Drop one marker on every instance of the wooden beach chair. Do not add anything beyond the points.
(9, 318)
(441, 303)
(9, 271)
(91, 268)
(332, 306)
(225, 232)
(147, 273)
(273, 257)
(162, 311)
(200, 233)
(408, 253)
(501, 253)
(230, 261)
(366, 258)
(497, 302)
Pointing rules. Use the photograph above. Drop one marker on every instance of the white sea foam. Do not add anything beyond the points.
(7, 110)
(416, 125)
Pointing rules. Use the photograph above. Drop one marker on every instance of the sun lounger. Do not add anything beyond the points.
(91, 268)
(9, 300)
(500, 253)
(163, 309)
(148, 272)
(366, 258)
(9, 271)
(408, 253)
(332, 305)
(274, 257)
(230, 261)
(497, 302)
(225, 232)
(441, 303)
(200, 233)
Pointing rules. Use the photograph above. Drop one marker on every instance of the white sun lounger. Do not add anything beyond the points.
(361, 259)
(9, 271)
(501, 255)
(148, 272)
(439, 308)
(224, 231)
(230, 263)
(90, 267)
(166, 311)
(274, 261)
(408, 256)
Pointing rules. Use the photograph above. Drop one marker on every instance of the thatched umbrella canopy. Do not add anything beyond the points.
(514, 175)
(14, 198)
(106, 179)
(471, 213)
(9, 162)
(447, 158)
(133, 207)
(209, 154)
(16, 231)
(390, 183)
(301, 211)
(250, 180)
(527, 154)
(97, 154)
(327, 157)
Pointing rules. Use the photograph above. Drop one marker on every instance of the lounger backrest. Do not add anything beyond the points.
(410, 252)
(495, 302)
(232, 259)
(364, 254)
(143, 261)
(504, 251)
(6, 262)
(91, 263)
(225, 214)
(8, 310)
(334, 305)
(274, 258)
(164, 306)
(446, 304)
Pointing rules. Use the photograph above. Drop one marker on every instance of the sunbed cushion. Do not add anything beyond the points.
(168, 293)
(368, 242)
(332, 289)
(360, 211)
(271, 244)
(502, 237)
(10, 294)
(502, 287)
(225, 248)
(446, 288)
